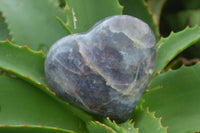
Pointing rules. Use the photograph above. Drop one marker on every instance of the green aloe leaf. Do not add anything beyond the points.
(138, 8)
(24, 104)
(23, 62)
(168, 48)
(63, 24)
(177, 102)
(97, 127)
(156, 8)
(146, 121)
(121, 128)
(111, 127)
(33, 24)
(82, 15)
(4, 32)
(31, 129)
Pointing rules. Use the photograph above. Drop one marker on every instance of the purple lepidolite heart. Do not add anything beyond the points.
(105, 70)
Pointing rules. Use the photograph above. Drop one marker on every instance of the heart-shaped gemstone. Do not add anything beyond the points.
(105, 70)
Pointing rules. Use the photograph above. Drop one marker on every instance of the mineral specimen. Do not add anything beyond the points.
(105, 70)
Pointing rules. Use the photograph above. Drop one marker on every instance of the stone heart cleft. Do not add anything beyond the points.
(105, 70)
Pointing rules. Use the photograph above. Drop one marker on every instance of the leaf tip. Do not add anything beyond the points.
(133, 123)
(26, 77)
(147, 109)
(53, 93)
(25, 46)
(193, 41)
(42, 52)
(109, 128)
(155, 88)
(168, 60)
(160, 118)
(24, 126)
(166, 128)
(42, 85)
(114, 123)
(10, 70)
(122, 7)
(108, 118)
(154, 113)
(155, 17)
(159, 71)
(64, 9)
(131, 120)
(4, 126)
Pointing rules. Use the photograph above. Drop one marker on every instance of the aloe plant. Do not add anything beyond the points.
(29, 27)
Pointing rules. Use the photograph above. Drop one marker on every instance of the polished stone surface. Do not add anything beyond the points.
(106, 70)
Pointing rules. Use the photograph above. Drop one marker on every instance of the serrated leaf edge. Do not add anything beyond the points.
(153, 114)
(40, 85)
(65, 26)
(164, 39)
(25, 47)
(179, 50)
(121, 127)
(169, 70)
(103, 125)
(8, 28)
(158, 118)
(152, 16)
(25, 77)
(182, 67)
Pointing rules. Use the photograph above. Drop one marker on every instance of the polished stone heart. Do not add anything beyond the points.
(105, 70)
